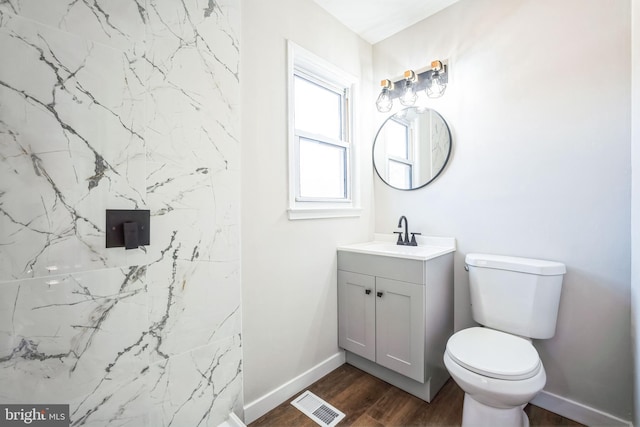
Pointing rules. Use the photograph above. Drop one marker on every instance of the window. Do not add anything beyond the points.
(321, 150)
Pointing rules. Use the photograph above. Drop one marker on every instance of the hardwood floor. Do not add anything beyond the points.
(369, 401)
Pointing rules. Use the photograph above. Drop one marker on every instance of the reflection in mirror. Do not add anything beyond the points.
(411, 148)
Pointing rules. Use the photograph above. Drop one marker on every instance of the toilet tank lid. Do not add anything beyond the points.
(524, 265)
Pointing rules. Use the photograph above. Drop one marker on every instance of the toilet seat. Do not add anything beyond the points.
(494, 354)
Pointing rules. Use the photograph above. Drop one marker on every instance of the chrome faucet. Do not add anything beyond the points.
(405, 241)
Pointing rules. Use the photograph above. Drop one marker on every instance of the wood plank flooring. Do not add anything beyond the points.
(369, 401)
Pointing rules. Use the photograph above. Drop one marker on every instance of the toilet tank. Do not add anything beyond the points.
(515, 295)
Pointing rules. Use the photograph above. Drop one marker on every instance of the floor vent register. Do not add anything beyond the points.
(317, 409)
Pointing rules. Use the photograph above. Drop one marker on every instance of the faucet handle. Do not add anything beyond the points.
(399, 233)
(413, 239)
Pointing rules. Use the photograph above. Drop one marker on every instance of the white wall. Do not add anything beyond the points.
(635, 200)
(289, 267)
(538, 104)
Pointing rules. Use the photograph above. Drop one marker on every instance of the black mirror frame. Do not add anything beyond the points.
(444, 165)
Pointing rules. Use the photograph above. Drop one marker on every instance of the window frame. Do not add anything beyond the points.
(318, 71)
(410, 147)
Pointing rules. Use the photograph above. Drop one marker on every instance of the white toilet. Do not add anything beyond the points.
(515, 299)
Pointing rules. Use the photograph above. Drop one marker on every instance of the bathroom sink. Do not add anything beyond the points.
(384, 245)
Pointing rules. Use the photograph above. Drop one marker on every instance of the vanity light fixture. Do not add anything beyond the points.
(384, 101)
(433, 81)
(409, 94)
(436, 84)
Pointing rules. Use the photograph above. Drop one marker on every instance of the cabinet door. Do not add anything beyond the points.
(356, 314)
(400, 326)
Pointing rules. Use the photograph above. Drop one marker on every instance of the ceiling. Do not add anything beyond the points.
(375, 20)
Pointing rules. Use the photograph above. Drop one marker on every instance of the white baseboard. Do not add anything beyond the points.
(262, 405)
(233, 421)
(577, 411)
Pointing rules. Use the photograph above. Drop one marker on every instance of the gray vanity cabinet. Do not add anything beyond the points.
(395, 316)
(357, 313)
(400, 327)
(382, 320)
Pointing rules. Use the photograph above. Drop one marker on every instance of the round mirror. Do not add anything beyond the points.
(411, 148)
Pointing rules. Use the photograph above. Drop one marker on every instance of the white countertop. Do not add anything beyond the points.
(385, 245)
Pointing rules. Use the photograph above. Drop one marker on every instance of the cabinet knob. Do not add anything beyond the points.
(367, 291)
(379, 294)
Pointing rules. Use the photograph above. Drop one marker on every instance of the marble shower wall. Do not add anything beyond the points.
(120, 104)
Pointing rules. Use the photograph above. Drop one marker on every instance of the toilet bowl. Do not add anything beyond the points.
(499, 374)
(515, 299)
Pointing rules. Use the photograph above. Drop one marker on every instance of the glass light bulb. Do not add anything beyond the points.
(409, 95)
(384, 101)
(435, 87)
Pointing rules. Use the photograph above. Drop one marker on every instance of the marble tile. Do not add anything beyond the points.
(73, 338)
(87, 339)
(117, 23)
(71, 145)
(198, 388)
(193, 304)
(120, 104)
(194, 80)
(192, 126)
(440, 140)
(197, 207)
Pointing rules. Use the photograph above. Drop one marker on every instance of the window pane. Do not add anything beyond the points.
(317, 109)
(322, 170)
(399, 174)
(396, 137)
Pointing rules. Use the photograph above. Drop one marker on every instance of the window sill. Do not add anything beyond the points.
(320, 213)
